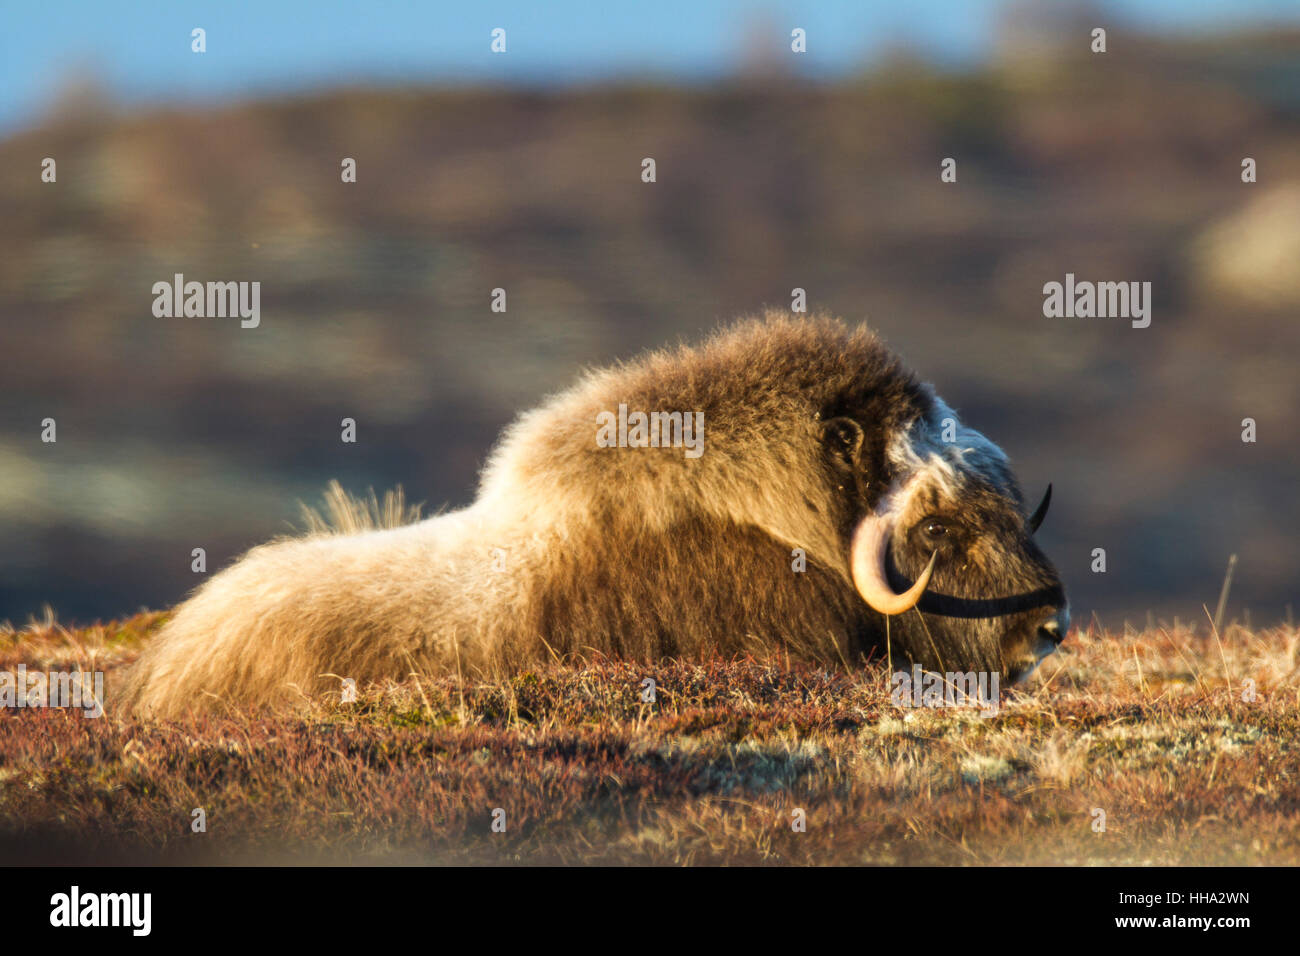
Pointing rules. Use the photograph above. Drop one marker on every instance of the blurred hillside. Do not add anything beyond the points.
(183, 433)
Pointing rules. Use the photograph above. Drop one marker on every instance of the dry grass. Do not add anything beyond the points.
(1150, 727)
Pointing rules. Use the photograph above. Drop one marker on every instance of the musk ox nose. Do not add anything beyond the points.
(1057, 626)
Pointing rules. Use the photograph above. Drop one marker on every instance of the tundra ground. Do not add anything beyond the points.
(1162, 731)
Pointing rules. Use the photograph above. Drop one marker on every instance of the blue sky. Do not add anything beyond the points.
(140, 50)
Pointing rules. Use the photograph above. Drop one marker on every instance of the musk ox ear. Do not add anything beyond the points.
(843, 438)
(1035, 519)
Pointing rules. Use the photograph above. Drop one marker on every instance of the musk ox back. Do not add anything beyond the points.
(787, 486)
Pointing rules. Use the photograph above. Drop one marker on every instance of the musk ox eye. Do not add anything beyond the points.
(934, 529)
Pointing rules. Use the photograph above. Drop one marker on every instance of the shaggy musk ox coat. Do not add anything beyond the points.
(815, 438)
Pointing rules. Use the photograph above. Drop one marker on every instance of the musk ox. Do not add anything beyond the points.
(787, 486)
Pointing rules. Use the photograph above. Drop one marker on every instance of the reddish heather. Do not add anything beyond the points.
(1157, 729)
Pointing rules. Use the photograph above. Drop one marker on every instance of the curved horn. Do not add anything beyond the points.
(1040, 512)
(867, 561)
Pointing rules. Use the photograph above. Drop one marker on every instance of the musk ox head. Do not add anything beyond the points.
(940, 544)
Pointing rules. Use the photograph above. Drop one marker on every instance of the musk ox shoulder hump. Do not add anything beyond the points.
(760, 388)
